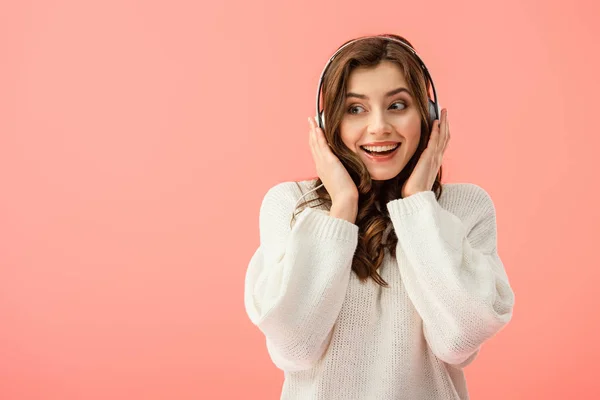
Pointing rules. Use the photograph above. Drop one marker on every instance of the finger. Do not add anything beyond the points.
(310, 135)
(447, 135)
(311, 139)
(447, 131)
(434, 137)
(441, 137)
(322, 144)
(320, 137)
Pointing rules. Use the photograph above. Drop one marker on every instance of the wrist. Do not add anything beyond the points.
(346, 210)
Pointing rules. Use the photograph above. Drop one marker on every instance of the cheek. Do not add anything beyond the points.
(411, 125)
(349, 139)
(412, 130)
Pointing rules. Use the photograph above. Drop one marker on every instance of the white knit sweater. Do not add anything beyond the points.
(338, 338)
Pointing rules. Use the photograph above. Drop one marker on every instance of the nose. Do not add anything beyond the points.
(378, 124)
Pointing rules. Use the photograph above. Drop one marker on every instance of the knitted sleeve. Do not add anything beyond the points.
(452, 274)
(296, 280)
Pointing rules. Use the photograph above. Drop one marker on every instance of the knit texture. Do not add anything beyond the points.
(335, 337)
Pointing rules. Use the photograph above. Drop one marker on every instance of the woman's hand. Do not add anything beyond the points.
(423, 176)
(331, 171)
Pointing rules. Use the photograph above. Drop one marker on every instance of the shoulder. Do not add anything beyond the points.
(473, 205)
(288, 192)
(291, 189)
(466, 199)
(465, 192)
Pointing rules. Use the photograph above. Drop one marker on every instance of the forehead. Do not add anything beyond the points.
(384, 76)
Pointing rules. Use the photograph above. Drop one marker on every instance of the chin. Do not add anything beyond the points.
(385, 170)
(384, 176)
(385, 173)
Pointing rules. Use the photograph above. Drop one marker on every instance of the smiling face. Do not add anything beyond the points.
(380, 110)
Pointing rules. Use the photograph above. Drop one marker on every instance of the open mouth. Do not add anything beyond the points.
(381, 154)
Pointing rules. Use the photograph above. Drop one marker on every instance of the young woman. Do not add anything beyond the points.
(386, 283)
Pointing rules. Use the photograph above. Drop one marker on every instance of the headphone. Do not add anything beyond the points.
(433, 105)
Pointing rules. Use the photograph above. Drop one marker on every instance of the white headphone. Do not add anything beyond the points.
(433, 105)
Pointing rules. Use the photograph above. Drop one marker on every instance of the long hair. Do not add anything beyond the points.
(373, 217)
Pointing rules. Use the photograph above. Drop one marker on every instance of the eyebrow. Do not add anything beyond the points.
(388, 94)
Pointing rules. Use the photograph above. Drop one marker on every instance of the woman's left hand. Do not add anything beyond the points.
(423, 176)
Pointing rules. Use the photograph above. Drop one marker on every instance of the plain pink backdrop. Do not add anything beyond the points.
(137, 139)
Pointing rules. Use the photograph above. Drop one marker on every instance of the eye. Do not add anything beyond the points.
(355, 109)
(399, 102)
(352, 108)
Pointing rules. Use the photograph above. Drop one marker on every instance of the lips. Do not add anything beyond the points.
(388, 143)
(381, 156)
(380, 152)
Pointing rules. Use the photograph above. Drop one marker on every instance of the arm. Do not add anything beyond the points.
(454, 277)
(296, 280)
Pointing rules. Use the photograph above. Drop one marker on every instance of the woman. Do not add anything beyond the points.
(387, 282)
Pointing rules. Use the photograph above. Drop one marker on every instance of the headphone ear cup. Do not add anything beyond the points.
(322, 125)
(432, 111)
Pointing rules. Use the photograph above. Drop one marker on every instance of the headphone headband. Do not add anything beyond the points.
(434, 106)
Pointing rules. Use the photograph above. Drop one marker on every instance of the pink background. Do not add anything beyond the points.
(137, 139)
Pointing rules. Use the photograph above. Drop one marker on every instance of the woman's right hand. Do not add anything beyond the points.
(331, 171)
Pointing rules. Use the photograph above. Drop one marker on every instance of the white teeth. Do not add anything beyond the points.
(381, 148)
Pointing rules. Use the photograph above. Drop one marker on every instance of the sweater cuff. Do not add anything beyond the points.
(324, 226)
(411, 204)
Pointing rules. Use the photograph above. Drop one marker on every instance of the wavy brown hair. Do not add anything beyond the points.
(373, 217)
